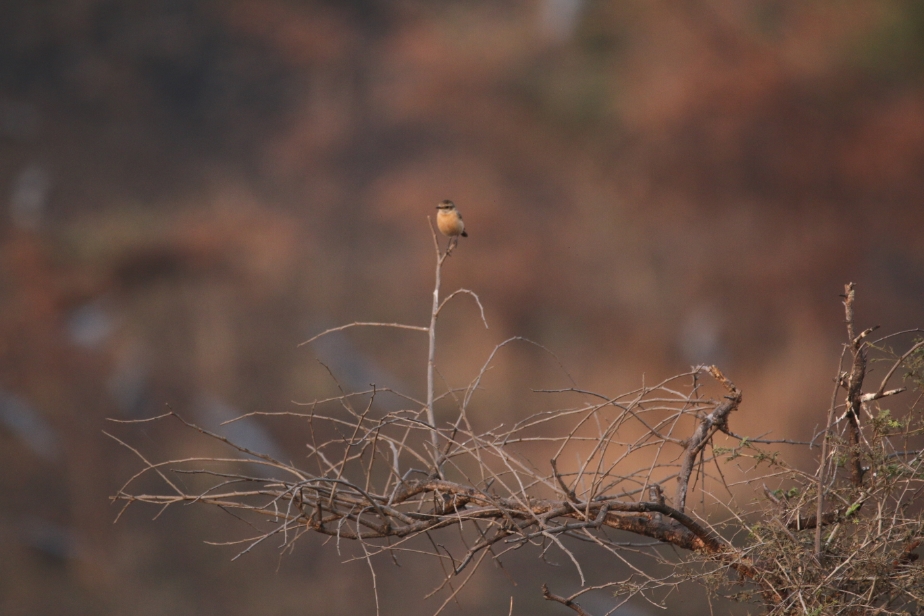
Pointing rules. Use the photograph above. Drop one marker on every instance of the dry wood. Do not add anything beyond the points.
(841, 539)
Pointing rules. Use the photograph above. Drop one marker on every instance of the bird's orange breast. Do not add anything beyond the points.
(449, 223)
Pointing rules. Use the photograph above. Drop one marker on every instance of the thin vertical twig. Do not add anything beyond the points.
(431, 354)
(823, 462)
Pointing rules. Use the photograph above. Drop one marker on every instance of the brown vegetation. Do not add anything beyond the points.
(399, 481)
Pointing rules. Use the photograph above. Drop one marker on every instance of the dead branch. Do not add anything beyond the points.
(362, 324)
(394, 481)
(716, 420)
(854, 383)
(548, 596)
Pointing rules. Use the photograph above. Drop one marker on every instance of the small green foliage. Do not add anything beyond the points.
(871, 500)
(789, 494)
(891, 470)
(884, 423)
(731, 453)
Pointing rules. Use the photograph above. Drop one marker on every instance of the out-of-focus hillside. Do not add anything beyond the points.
(190, 189)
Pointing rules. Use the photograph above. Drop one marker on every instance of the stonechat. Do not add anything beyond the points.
(449, 221)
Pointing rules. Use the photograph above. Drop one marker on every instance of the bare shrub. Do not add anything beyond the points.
(628, 474)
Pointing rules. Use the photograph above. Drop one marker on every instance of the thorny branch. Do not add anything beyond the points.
(392, 480)
(708, 425)
(853, 383)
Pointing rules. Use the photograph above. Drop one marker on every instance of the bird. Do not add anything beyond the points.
(449, 221)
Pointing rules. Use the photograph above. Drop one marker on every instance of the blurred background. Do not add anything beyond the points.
(191, 188)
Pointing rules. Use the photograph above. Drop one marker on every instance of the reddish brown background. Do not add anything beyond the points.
(192, 188)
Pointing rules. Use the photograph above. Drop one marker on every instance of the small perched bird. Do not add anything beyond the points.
(449, 220)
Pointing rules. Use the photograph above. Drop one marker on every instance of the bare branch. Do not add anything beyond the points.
(467, 292)
(854, 384)
(390, 480)
(707, 426)
(362, 324)
(881, 392)
(823, 461)
(548, 596)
